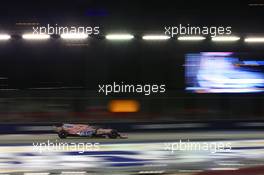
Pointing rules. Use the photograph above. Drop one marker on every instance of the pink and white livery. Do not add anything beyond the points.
(81, 130)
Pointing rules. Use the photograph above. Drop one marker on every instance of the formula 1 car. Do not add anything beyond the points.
(81, 130)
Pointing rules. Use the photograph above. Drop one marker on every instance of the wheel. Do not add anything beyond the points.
(113, 134)
(62, 134)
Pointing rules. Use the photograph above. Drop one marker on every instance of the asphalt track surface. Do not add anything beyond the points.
(140, 153)
(138, 137)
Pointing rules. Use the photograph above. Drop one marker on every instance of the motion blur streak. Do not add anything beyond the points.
(36, 173)
(74, 36)
(225, 38)
(144, 153)
(224, 73)
(155, 37)
(4, 37)
(151, 172)
(73, 172)
(191, 38)
(35, 36)
(119, 37)
(254, 40)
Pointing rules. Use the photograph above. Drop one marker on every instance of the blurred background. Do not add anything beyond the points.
(214, 90)
(58, 80)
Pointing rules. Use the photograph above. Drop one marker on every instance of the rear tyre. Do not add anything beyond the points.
(62, 134)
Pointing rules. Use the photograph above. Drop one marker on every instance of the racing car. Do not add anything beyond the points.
(81, 130)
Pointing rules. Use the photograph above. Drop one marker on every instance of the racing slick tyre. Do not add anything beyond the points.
(62, 134)
(113, 134)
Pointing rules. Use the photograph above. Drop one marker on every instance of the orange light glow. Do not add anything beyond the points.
(123, 106)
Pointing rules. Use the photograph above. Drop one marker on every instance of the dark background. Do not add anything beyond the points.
(76, 69)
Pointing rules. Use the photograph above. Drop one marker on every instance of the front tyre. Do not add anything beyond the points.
(62, 134)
